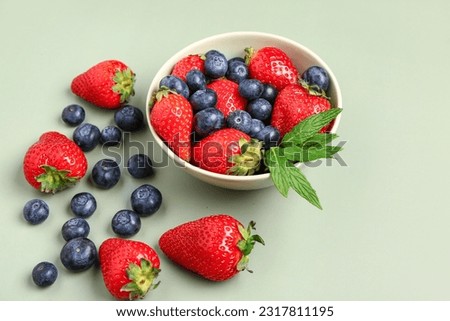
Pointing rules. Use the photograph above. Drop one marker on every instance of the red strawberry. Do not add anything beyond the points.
(228, 97)
(293, 104)
(128, 267)
(214, 152)
(271, 65)
(171, 117)
(215, 247)
(54, 163)
(109, 84)
(186, 64)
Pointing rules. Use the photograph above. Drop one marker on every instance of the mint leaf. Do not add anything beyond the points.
(309, 153)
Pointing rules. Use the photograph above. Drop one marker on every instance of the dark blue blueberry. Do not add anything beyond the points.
(83, 204)
(75, 227)
(317, 78)
(237, 70)
(250, 88)
(195, 80)
(269, 136)
(140, 166)
(202, 99)
(73, 115)
(129, 118)
(105, 173)
(35, 211)
(146, 200)
(257, 125)
(87, 136)
(111, 136)
(216, 64)
(126, 223)
(78, 254)
(269, 93)
(241, 120)
(259, 108)
(208, 121)
(176, 84)
(44, 274)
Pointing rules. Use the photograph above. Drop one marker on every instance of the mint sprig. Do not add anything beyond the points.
(304, 143)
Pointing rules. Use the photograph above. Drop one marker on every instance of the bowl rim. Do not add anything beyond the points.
(189, 49)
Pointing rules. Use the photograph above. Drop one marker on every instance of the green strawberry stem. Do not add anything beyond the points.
(124, 84)
(249, 160)
(246, 245)
(141, 279)
(249, 52)
(54, 180)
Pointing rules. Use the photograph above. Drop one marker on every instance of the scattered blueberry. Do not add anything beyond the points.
(35, 211)
(176, 84)
(208, 120)
(126, 223)
(202, 99)
(216, 64)
(73, 115)
(87, 136)
(250, 88)
(146, 200)
(78, 254)
(140, 166)
(83, 204)
(241, 120)
(269, 136)
(237, 70)
(110, 136)
(269, 93)
(195, 80)
(105, 173)
(129, 118)
(259, 108)
(257, 125)
(317, 78)
(44, 274)
(75, 227)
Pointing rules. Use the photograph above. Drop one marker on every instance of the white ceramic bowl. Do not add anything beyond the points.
(233, 44)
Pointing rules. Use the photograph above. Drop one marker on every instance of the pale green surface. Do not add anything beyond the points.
(383, 233)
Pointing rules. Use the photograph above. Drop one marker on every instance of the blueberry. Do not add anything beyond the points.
(140, 166)
(73, 115)
(269, 136)
(216, 64)
(146, 200)
(195, 80)
(126, 223)
(208, 121)
(257, 125)
(259, 108)
(35, 211)
(129, 118)
(250, 88)
(111, 136)
(78, 254)
(241, 120)
(317, 78)
(44, 274)
(87, 136)
(269, 93)
(176, 84)
(105, 173)
(83, 204)
(237, 70)
(202, 99)
(75, 227)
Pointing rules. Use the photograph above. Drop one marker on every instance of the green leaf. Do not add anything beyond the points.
(309, 153)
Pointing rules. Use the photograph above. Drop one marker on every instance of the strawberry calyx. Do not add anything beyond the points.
(53, 180)
(141, 279)
(124, 84)
(162, 92)
(246, 245)
(313, 90)
(249, 53)
(249, 160)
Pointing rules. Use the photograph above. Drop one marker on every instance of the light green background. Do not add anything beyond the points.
(384, 230)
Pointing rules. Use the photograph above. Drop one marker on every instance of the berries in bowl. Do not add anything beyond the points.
(245, 110)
